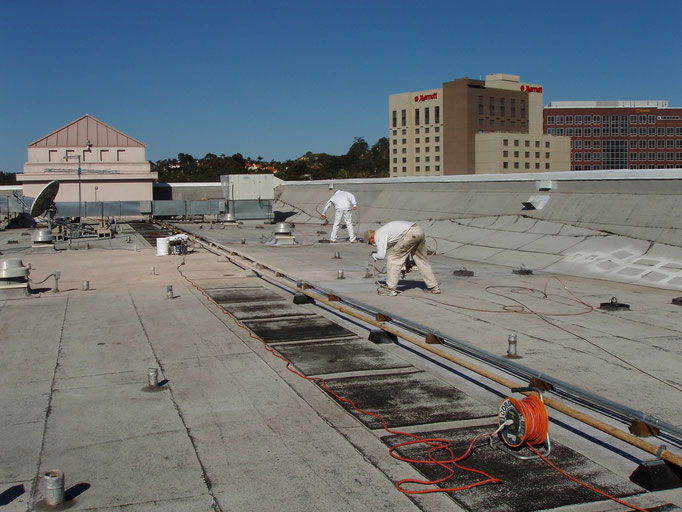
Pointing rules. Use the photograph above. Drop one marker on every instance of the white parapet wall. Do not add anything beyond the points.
(640, 204)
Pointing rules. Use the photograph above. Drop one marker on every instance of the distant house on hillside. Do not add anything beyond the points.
(113, 165)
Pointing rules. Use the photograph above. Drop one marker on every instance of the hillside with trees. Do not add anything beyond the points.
(361, 161)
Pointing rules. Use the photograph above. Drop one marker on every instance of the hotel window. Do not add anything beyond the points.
(633, 143)
(405, 141)
(661, 131)
(537, 154)
(426, 139)
(426, 116)
(505, 142)
(669, 143)
(427, 149)
(416, 130)
(588, 119)
(404, 117)
(505, 153)
(395, 161)
(569, 119)
(492, 105)
(437, 129)
(633, 132)
(607, 131)
(642, 119)
(633, 156)
(642, 156)
(661, 143)
(596, 156)
(395, 119)
(652, 132)
(550, 131)
(437, 139)
(516, 165)
(516, 142)
(416, 168)
(526, 154)
(678, 130)
(678, 143)
(502, 112)
(642, 131)
(404, 169)
(404, 132)
(578, 119)
(523, 108)
(537, 165)
(578, 132)
(597, 144)
(652, 143)
(633, 119)
(426, 130)
(480, 105)
(597, 131)
(546, 155)
(437, 156)
(560, 132)
(569, 132)
(588, 132)
(588, 144)
(427, 159)
(437, 168)
(416, 150)
(513, 107)
(505, 165)
(596, 119)
(437, 149)
(547, 165)
(578, 144)
(436, 114)
(578, 157)
(395, 132)
(416, 116)
(404, 160)
(416, 159)
(526, 165)
(527, 143)
(652, 119)
(669, 156)
(547, 144)
(516, 154)
(416, 141)
(550, 119)
(652, 155)
(537, 143)
(669, 131)
(428, 168)
(642, 143)
(395, 151)
(678, 156)
(588, 156)
(661, 155)
(404, 150)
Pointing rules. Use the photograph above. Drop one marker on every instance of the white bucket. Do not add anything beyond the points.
(162, 246)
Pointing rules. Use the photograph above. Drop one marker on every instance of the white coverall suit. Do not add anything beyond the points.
(344, 202)
(396, 241)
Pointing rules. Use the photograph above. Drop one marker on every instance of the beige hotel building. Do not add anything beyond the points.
(473, 127)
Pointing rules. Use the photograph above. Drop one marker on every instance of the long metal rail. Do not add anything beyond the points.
(408, 330)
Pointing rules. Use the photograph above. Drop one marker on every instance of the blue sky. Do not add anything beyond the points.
(278, 79)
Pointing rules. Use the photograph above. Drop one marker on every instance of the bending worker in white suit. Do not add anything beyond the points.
(396, 241)
(344, 202)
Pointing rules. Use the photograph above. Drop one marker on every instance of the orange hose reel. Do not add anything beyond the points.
(524, 421)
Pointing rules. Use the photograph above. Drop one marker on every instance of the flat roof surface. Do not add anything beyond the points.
(231, 428)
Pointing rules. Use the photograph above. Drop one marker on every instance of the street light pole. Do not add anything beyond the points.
(79, 181)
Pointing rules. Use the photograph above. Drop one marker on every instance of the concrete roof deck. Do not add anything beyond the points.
(232, 429)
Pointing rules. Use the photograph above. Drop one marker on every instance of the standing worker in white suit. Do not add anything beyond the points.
(344, 204)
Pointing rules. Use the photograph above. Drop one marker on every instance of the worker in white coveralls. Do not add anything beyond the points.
(396, 241)
(344, 204)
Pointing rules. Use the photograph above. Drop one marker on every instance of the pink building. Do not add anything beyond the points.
(113, 165)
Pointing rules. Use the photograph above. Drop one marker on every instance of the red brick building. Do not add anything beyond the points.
(618, 134)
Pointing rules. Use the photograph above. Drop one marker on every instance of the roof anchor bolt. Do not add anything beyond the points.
(368, 271)
(57, 275)
(243, 241)
(337, 255)
(339, 274)
(511, 348)
(152, 271)
(86, 286)
(169, 291)
(153, 376)
(54, 487)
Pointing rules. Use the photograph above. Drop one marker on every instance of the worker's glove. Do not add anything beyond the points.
(374, 256)
(324, 216)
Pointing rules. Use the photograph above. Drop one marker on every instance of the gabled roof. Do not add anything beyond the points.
(84, 129)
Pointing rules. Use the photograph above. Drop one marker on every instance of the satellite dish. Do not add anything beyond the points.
(44, 199)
